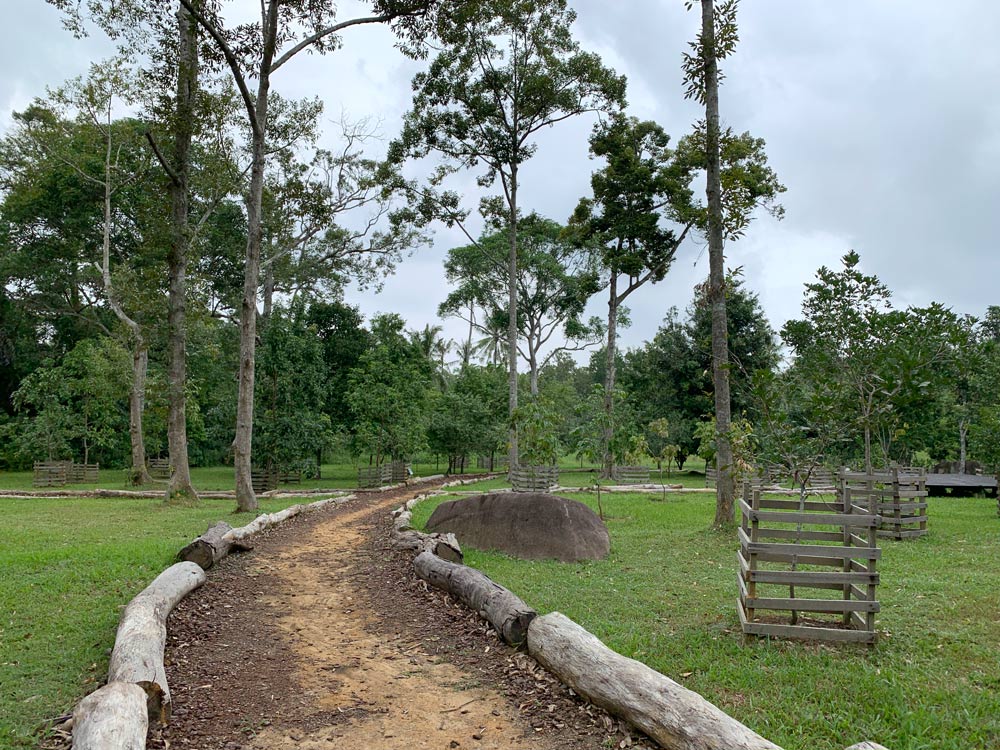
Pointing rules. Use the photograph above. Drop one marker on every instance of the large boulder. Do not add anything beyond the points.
(529, 525)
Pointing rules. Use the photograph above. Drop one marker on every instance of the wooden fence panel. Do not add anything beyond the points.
(534, 478)
(774, 547)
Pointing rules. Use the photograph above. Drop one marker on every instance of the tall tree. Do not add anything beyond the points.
(717, 41)
(506, 71)
(110, 163)
(640, 186)
(254, 52)
(554, 279)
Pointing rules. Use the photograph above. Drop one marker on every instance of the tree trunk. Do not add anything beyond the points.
(533, 376)
(609, 376)
(246, 500)
(512, 324)
(142, 634)
(113, 717)
(136, 404)
(677, 718)
(868, 448)
(187, 84)
(963, 433)
(498, 606)
(268, 293)
(725, 489)
(140, 356)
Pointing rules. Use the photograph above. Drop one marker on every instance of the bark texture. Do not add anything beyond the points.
(609, 375)
(674, 716)
(717, 274)
(136, 406)
(111, 718)
(142, 633)
(498, 606)
(212, 546)
(512, 322)
(177, 259)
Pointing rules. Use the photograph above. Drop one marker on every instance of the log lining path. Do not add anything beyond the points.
(323, 637)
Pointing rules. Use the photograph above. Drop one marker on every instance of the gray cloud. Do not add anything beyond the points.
(879, 117)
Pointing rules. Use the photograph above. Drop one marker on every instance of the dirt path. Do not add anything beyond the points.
(322, 638)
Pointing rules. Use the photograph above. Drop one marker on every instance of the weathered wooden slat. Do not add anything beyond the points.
(812, 578)
(831, 606)
(816, 536)
(823, 519)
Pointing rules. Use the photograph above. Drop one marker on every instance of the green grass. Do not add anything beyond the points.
(335, 476)
(666, 595)
(67, 568)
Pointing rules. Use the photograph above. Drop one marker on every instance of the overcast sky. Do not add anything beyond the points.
(881, 118)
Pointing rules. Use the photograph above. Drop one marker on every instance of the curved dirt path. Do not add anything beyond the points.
(322, 638)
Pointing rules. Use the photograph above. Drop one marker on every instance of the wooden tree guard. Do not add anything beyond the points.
(631, 474)
(374, 476)
(897, 494)
(51, 473)
(534, 478)
(159, 468)
(399, 471)
(810, 544)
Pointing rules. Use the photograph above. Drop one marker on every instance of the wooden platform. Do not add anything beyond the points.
(939, 484)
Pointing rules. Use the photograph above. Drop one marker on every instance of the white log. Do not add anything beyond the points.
(142, 633)
(498, 606)
(111, 718)
(677, 718)
(867, 746)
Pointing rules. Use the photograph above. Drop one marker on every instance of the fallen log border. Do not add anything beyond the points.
(673, 716)
(116, 715)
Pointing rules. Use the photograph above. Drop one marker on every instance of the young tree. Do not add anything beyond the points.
(643, 206)
(506, 71)
(852, 343)
(77, 406)
(641, 188)
(290, 424)
(388, 392)
(554, 280)
(254, 52)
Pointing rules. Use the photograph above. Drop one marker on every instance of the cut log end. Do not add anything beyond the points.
(111, 718)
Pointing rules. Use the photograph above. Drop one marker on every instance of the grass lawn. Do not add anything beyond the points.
(335, 476)
(67, 568)
(666, 596)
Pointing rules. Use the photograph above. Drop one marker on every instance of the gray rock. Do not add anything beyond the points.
(529, 525)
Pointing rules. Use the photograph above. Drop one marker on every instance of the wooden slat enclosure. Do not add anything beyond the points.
(264, 480)
(632, 474)
(51, 473)
(897, 494)
(290, 476)
(159, 468)
(534, 478)
(374, 476)
(61, 473)
(399, 471)
(83, 472)
(711, 476)
(794, 554)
